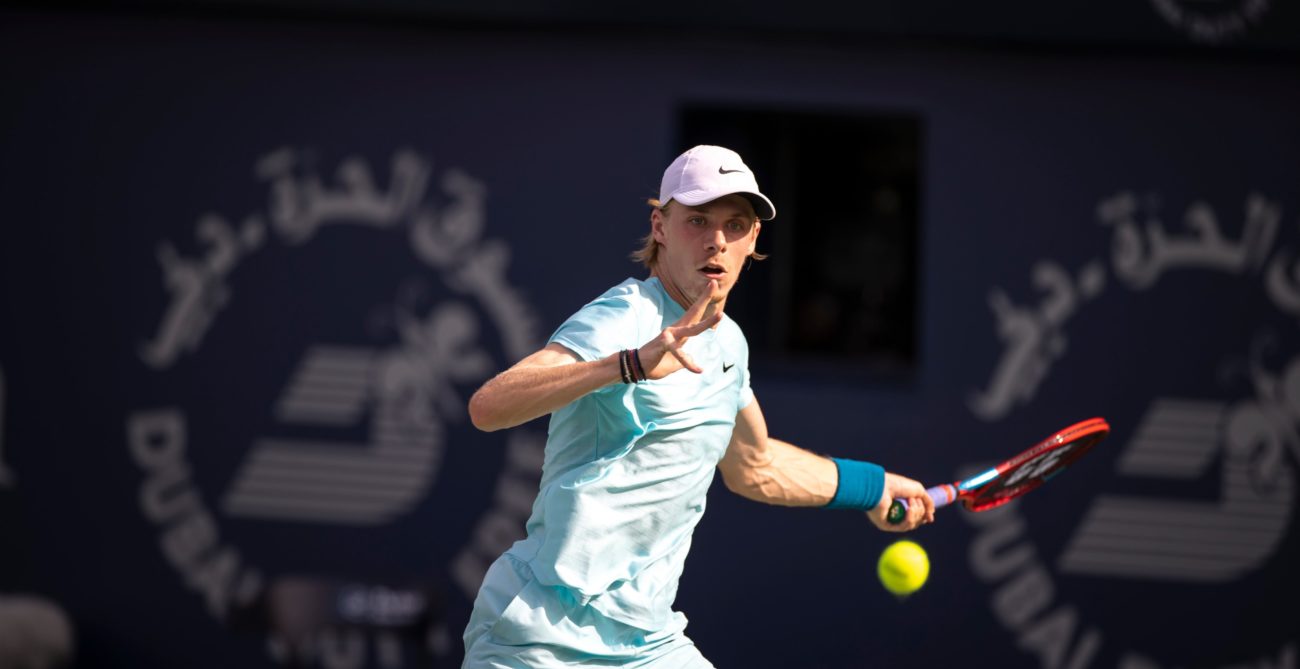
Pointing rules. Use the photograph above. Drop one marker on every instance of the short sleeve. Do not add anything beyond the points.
(599, 329)
(746, 393)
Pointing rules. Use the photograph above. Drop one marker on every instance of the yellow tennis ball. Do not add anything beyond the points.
(903, 567)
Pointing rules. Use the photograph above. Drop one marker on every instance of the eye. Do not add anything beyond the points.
(735, 225)
(696, 220)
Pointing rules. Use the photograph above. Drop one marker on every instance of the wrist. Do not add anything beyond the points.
(629, 366)
(611, 371)
(860, 485)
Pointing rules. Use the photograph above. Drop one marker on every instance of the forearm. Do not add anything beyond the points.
(528, 391)
(782, 474)
(768, 470)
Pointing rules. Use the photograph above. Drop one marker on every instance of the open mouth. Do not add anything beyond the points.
(713, 271)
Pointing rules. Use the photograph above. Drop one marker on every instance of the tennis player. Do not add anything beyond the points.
(648, 390)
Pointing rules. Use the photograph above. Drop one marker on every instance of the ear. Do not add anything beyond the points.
(753, 239)
(657, 222)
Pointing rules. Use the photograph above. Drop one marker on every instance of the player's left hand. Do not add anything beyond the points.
(663, 355)
(920, 508)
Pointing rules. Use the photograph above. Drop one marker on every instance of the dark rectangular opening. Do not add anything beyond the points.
(838, 295)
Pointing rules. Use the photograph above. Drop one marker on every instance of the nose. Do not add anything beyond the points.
(717, 242)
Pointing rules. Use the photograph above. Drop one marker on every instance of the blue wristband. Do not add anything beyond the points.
(860, 487)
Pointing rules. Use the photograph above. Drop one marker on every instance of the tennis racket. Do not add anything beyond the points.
(1018, 475)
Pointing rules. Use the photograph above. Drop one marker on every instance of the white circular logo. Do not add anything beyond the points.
(333, 410)
(1203, 488)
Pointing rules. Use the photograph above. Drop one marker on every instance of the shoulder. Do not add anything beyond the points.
(635, 290)
(618, 319)
(636, 295)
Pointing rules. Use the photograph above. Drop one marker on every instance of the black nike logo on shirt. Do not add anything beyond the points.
(727, 368)
(722, 171)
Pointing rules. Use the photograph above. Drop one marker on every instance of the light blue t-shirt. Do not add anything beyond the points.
(628, 466)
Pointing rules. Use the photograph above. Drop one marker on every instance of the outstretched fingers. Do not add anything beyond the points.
(684, 331)
(686, 360)
(673, 342)
(705, 313)
(697, 311)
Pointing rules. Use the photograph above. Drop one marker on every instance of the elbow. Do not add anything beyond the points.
(737, 481)
(753, 483)
(481, 413)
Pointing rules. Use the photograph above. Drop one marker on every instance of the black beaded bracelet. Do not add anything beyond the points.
(625, 366)
(636, 358)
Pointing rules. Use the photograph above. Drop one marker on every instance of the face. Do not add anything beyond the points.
(708, 241)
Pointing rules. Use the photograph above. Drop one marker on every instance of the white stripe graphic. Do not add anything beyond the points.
(366, 485)
(1210, 542)
(334, 454)
(341, 511)
(395, 394)
(330, 387)
(326, 481)
(275, 477)
(322, 489)
(1176, 439)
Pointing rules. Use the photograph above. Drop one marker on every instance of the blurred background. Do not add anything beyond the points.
(255, 257)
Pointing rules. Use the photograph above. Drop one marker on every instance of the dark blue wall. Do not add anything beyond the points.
(1102, 235)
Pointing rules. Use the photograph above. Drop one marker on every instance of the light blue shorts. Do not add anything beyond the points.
(519, 623)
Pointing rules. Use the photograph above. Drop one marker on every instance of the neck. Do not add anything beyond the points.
(678, 295)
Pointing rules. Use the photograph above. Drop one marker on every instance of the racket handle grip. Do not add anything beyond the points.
(943, 495)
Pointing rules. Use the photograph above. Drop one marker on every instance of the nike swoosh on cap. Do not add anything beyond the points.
(722, 171)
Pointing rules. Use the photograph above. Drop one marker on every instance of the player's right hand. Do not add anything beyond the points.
(663, 355)
(920, 508)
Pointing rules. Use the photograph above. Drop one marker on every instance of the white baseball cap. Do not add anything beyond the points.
(706, 173)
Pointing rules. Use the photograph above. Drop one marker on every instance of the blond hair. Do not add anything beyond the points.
(648, 254)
